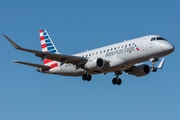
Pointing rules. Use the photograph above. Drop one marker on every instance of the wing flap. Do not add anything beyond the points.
(31, 64)
(66, 58)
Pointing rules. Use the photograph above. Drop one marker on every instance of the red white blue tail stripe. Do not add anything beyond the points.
(47, 46)
(46, 43)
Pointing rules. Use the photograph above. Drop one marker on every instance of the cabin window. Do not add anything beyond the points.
(108, 50)
(93, 53)
(101, 52)
(96, 52)
(104, 51)
(129, 44)
(89, 54)
(118, 47)
(115, 48)
(111, 49)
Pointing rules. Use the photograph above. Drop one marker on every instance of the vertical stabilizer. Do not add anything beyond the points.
(47, 45)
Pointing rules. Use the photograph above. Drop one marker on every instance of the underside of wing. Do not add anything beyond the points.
(32, 64)
(65, 58)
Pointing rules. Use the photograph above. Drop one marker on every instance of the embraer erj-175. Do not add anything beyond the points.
(121, 57)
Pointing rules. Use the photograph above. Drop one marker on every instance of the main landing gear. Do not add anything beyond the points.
(87, 77)
(116, 80)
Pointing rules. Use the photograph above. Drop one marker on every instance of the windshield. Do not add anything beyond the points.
(160, 38)
(157, 38)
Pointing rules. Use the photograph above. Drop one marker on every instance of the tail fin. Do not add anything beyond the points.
(47, 45)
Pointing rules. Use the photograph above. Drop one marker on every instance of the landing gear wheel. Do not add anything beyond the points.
(114, 81)
(89, 77)
(154, 69)
(119, 81)
(84, 77)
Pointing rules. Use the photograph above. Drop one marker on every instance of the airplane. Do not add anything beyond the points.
(127, 56)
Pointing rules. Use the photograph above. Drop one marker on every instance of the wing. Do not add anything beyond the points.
(76, 60)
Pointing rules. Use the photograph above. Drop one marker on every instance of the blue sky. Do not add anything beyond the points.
(76, 26)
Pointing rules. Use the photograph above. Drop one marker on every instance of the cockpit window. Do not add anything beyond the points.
(157, 38)
(152, 39)
(160, 38)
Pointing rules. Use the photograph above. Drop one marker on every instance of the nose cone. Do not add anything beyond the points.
(168, 47)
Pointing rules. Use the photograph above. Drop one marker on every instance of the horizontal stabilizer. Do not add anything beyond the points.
(32, 64)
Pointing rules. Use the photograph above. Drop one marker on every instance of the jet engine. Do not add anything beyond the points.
(140, 70)
(94, 64)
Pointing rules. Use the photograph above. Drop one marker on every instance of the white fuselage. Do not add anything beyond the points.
(119, 56)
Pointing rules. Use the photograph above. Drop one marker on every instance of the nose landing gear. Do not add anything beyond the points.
(160, 66)
(154, 60)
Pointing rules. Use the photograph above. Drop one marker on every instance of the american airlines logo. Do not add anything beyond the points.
(125, 50)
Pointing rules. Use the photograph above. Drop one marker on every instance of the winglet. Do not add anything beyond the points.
(160, 66)
(12, 42)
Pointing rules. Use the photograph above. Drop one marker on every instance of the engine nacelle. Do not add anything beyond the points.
(94, 64)
(141, 70)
